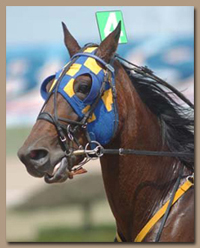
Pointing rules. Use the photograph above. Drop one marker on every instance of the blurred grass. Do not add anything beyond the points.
(101, 233)
(61, 224)
(15, 138)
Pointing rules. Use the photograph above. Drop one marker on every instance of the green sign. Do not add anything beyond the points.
(107, 21)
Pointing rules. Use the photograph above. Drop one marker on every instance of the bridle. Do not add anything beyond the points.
(64, 130)
(94, 149)
(98, 150)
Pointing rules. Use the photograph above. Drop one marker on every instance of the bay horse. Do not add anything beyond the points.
(97, 104)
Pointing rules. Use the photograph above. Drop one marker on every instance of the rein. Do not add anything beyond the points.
(100, 151)
(145, 71)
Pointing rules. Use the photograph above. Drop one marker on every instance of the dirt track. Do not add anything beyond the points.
(20, 185)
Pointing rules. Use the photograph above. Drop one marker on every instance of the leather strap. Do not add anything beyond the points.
(159, 214)
(161, 211)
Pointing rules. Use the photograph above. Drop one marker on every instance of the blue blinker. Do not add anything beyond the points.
(103, 122)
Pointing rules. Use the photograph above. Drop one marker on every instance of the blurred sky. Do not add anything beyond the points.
(35, 25)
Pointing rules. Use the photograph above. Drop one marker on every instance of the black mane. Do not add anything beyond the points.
(177, 121)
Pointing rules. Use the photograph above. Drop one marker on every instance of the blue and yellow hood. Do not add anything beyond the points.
(103, 122)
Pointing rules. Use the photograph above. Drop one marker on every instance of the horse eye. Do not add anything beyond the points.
(84, 88)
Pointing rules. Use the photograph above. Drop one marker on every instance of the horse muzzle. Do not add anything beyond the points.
(54, 167)
(36, 161)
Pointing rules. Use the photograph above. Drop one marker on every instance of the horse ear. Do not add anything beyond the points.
(70, 43)
(109, 45)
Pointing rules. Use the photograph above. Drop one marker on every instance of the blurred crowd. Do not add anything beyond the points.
(171, 58)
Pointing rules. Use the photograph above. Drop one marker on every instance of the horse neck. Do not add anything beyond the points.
(136, 185)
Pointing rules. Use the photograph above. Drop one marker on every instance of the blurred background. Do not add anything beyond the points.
(77, 210)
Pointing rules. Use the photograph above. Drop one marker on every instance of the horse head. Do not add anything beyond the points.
(78, 109)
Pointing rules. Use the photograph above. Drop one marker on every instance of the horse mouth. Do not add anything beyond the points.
(61, 171)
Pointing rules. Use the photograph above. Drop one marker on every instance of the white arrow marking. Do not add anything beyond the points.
(111, 22)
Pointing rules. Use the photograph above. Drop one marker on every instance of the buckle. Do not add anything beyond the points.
(190, 178)
(70, 136)
(63, 139)
(110, 68)
(97, 151)
(146, 69)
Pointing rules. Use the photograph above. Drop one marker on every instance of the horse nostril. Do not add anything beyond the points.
(38, 154)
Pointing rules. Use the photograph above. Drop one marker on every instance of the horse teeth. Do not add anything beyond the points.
(56, 168)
